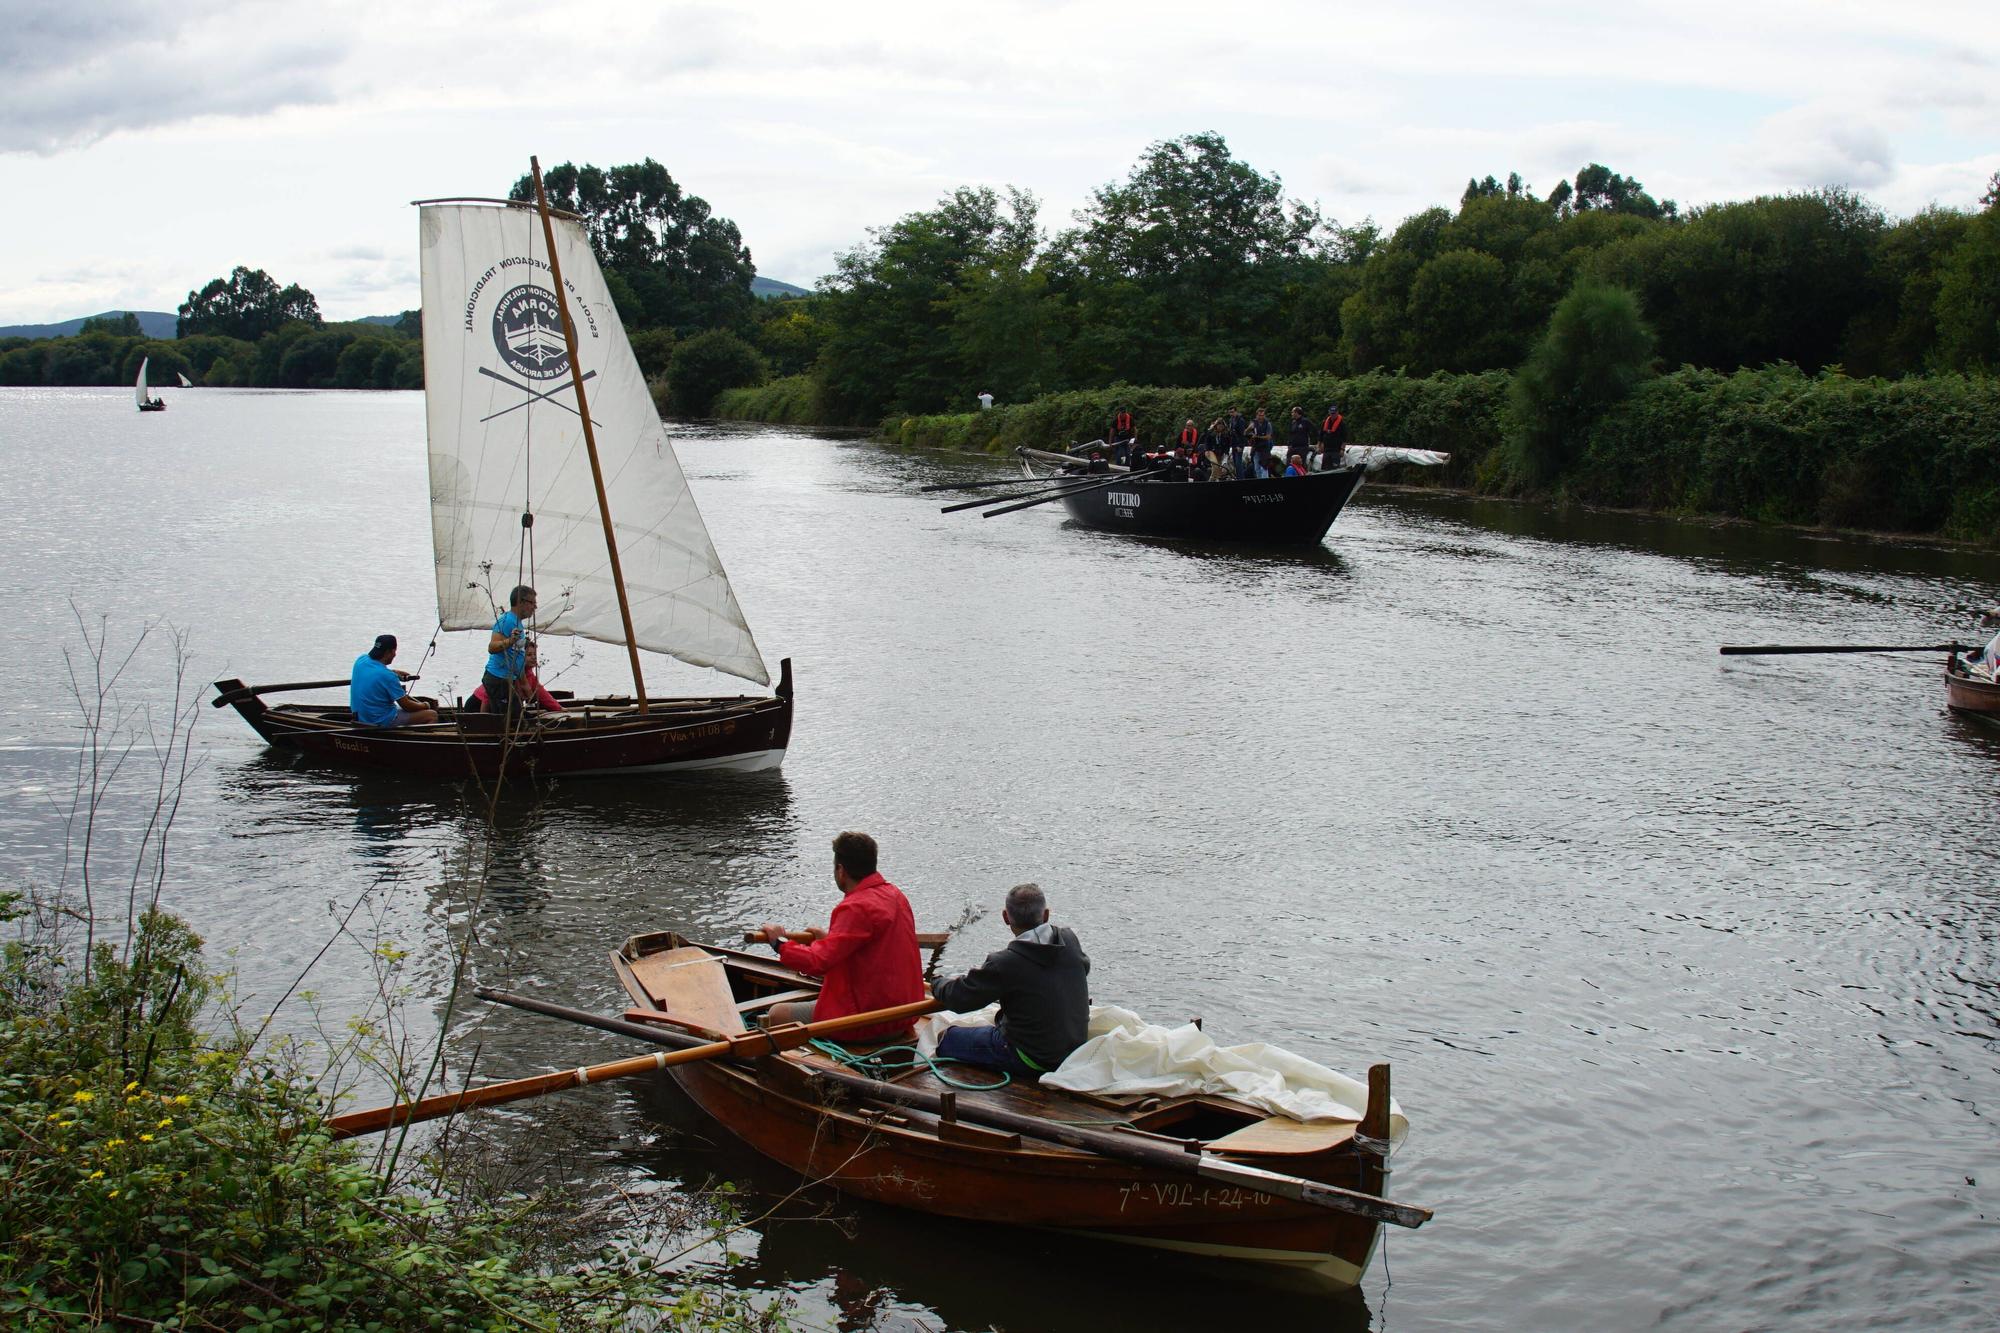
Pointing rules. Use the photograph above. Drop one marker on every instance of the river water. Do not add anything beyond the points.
(1686, 966)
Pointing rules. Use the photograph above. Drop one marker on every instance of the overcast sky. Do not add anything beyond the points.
(151, 146)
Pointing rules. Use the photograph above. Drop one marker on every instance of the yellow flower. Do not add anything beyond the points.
(83, 1096)
(181, 1100)
(95, 1175)
(133, 1085)
(112, 1195)
(164, 1122)
(114, 1143)
(145, 1138)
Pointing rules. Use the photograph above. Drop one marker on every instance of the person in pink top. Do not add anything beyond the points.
(532, 691)
(867, 954)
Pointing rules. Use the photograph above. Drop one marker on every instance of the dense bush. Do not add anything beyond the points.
(155, 1176)
(1916, 455)
(703, 366)
(791, 401)
(1596, 350)
(1460, 414)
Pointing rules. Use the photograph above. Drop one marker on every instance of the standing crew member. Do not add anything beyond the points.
(1122, 426)
(1333, 435)
(1190, 435)
(507, 652)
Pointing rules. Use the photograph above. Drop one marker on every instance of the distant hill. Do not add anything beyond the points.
(768, 288)
(153, 323)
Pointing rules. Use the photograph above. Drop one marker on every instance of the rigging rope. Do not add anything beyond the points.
(875, 1065)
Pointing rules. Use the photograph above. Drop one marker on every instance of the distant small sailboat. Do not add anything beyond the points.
(186, 383)
(146, 402)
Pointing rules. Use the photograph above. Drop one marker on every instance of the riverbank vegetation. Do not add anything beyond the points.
(1801, 358)
(164, 1152)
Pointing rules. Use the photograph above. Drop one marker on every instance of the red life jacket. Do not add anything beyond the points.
(1331, 424)
(1122, 424)
(1189, 435)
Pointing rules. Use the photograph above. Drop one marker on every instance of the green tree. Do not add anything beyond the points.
(1599, 187)
(1596, 352)
(247, 304)
(705, 365)
(122, 325)
(1968, 297)
(1895, 334)
(1177, 272)
(1458, 314)
(677, 264)
(892, 308)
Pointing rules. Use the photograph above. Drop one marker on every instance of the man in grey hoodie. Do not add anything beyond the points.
(1041, 983)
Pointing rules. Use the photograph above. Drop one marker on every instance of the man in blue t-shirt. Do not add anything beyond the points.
(507, 652)
(375, 693)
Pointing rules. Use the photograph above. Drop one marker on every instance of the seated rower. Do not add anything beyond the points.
(1984, 661)
(867, 955)
(375, 693)
(1041, 983)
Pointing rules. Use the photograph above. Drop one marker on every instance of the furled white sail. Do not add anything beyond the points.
(505, 439)
(1379, 456)
(139, 389)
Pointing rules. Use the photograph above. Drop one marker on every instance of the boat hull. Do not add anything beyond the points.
(910, 1155)
(908, 1165)
(590, 738)
(1277, 511)
(1967, 695)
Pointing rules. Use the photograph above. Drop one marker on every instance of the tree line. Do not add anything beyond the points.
(1198, 269)
(243, 330)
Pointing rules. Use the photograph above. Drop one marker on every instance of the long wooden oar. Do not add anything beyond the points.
(1156, 1155)
(227, 697)
(981, 485)
(767, 1041)
(1072, 490)
(1773, 649)
(926, 939)
(1030, 485)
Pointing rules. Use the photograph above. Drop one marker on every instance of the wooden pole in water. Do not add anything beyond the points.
(589, 437)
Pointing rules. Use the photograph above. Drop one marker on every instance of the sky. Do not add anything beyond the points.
(152, 146)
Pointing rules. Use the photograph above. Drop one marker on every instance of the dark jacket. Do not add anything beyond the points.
(1040, 981)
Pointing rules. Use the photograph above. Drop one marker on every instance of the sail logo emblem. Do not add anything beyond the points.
(527, 328)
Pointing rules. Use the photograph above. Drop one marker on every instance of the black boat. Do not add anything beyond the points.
(1276, 511)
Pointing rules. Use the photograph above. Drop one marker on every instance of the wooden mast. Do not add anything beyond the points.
(589, 438)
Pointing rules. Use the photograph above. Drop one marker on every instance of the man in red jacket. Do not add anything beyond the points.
(867, 955)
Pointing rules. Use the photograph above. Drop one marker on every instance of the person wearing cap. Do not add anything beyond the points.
(375, 693)
(1332, 439)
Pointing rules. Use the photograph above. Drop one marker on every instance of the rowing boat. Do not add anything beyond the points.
(1275, 511)
(1966, 693)
(1185, 1176)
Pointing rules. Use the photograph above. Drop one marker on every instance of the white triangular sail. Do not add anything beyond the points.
(139, 389)
(186, 383)
(505, 439)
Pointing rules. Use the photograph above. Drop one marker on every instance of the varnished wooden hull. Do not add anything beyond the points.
(909, 1157)
(592, 737)
(1968, 695)
(903, 1162)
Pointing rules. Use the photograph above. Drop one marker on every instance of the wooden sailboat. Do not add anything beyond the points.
(1201, 1174)
(549, 466)
(147, 403)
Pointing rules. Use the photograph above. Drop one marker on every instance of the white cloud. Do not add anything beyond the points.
(291, 138)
